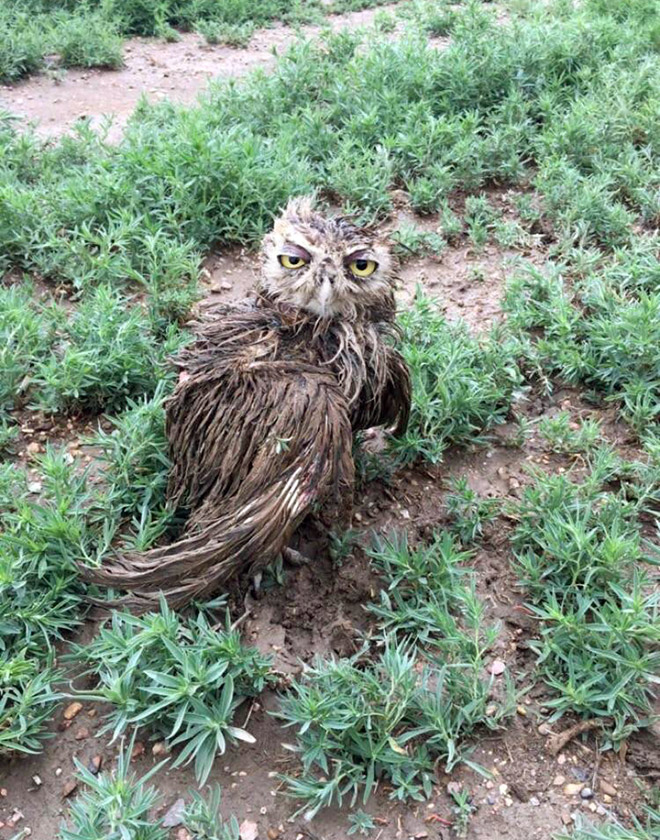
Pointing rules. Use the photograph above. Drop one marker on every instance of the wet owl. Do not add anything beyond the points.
(271, 391)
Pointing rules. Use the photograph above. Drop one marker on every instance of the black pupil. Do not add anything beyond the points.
(361, 265)
(294, 260)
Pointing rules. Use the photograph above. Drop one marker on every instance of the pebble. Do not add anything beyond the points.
(33, 448)
(69, 788)
(82, 733)
(558, 781)
(72, 710)
(37, 780)
(587, 793)
(534, 800)
(491, 799)
(573, 788)
(226, 287)
(496, 667)
(522, 711)
(566, 819)
(159, 748)
(607, 799)
(273, 834)
(58, 771)
(561, 759)
(606, 787)
(545, 729)
(94, 765)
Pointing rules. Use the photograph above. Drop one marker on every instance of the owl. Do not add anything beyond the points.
(270, 392)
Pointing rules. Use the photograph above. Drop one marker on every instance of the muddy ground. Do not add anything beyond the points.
(319, 610)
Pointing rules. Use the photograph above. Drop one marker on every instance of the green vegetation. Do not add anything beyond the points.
(647, 829)
(462, 385)
(581, 557)
(181, 679)
(395, 711)
(119, 804)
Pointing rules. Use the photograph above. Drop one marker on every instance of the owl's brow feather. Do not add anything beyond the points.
(293, 250)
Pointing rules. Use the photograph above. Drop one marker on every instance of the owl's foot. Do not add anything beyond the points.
(295, 558)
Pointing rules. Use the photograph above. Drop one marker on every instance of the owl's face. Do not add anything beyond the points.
(326, 266)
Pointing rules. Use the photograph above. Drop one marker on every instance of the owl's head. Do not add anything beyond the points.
(326, 266)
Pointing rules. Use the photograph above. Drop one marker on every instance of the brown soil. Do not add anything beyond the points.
(320, 608)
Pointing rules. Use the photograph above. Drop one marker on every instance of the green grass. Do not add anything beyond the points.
(119, 804)
(462, 385)
(181, 679)
(582, 560)
(390, 714)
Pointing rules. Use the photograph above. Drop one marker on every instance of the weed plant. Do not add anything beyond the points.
(461, 385)
(569, 436)
(180, 679)
(581, 557)
(389, 717)
(468, 511)
(647, 829)
(119, 804)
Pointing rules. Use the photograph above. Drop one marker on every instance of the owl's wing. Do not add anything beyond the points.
(253, 450)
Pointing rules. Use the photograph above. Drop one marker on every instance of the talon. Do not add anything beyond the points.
(295, 558)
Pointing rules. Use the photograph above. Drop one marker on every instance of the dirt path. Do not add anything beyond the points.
(155, 69)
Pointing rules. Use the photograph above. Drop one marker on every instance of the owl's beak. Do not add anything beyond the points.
(326, 292)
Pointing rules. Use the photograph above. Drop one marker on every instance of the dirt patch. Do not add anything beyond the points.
(154, 69)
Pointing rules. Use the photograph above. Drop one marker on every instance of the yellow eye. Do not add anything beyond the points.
(363, 268)
(291, 262)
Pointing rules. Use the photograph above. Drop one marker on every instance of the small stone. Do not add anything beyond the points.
(72, 710)
(508, 801)
(567, 819)
(573, 788)
(522, 711)
(561, 759)
(491, 799)
(226, 287)
(545, 729)
(3, 792)
(69, 787)
(607, 799)
(504, 789)
(249, 830)
(606, 787)
(92, 713)
(489, 784)
(453, 788)
(273, 834)
(183, 834)
(593, 807)
(138, 749)
(174, 815)
(94, 765)
(559, 780)
(263, 810)
(496, 667)
(58, 771)
(159, 748)
(37, 781)
(33, 448)
(81, 733)
(490, 710)
(34, 487)
(587, 793)
(535, 801)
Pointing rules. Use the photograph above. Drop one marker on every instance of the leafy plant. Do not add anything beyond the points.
(566, 435)
(461, 385)
(182, 680)
(468, 511)
(393, 715)
(580, 556)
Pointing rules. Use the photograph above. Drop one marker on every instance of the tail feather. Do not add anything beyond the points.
(246, 530)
